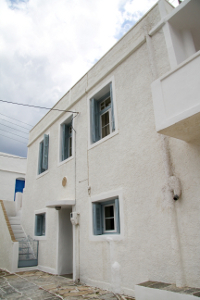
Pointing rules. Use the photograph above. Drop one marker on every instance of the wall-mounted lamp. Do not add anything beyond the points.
(58, 207)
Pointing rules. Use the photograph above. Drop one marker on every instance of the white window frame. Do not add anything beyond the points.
(40, 212)
(109, 111)
(104, 219)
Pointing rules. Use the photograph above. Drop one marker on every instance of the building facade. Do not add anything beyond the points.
(12, 175)
(109, 197)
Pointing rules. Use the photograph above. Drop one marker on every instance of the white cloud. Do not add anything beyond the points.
(46, 46)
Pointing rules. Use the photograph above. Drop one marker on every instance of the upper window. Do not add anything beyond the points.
(40, 224)
(43, 154)
(102, 114)
(106, 217)
(66, 140)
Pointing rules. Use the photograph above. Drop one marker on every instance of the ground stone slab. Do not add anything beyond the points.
(38, 285)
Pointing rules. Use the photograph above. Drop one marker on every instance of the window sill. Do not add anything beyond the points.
(65, 161)
(40, 238)
(106, 237)
(42, 174)
(90, 146)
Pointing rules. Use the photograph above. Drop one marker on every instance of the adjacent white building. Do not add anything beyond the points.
(132, 193)
(12, 175)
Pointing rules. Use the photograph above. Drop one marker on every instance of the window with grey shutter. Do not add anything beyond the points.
(66, 145)
(102, 118)
(106, 217)
(45, 152)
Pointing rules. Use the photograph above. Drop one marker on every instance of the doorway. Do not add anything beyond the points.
(19, 186)
(65, 243)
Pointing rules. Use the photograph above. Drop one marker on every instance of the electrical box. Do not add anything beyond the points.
(74, 216)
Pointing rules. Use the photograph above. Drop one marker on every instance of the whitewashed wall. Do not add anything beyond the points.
(11, 168)
(130, 161)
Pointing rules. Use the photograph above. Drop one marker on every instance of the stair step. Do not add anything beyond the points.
(19, 235)
(14, 221)
(18, 231)
(16, 227)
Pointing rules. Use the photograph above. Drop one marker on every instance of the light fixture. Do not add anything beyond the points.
(58, 207)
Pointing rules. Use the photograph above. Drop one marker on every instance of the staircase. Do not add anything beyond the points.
(16, 226)
(28, 248)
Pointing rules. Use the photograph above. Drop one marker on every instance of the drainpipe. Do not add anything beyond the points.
(172, 190)
(75, 226)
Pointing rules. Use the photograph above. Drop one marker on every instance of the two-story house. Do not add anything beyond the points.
(113, 170)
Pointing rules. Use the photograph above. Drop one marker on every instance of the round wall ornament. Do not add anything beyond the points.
(64, 181)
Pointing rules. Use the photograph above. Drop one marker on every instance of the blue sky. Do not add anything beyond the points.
(46, 46)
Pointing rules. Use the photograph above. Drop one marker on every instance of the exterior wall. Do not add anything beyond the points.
(11, 168)
(129, 163)
(9, 250)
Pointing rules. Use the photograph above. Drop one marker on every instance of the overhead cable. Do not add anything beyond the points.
(14, 128)
(42, 107)
(12, 139)
(14, 134)
(15, 124)
(16, 120)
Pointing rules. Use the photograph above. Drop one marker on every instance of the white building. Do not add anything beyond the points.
(12, 175)
(12, 182)
(105, 160)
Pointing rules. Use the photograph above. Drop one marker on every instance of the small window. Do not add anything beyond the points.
(66, 140)
(106, 217)
(102, 114)
(40, 224)
(43, 154)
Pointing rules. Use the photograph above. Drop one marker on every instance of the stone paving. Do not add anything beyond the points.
(38, 285)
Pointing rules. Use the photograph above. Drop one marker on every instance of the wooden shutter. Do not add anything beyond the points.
(63, 142)
(117, 215)
(45, 152)
(112, 109)
(66, 142)
(94, 117)
(40, 158)
(97, 218)
(97, 121)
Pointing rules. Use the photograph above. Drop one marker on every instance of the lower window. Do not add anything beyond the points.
(106, 217)
(40, 224)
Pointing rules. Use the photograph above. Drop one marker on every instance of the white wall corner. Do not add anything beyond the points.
(15, 256)
(162, 8)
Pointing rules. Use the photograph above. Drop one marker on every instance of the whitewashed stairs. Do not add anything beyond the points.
(27, 251)
(18, 231)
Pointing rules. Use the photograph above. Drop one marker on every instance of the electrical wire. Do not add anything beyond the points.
(14, 128)
(15, 124)
(12, 156)
(15, 120)
(12, 139)
(36, 106)
(15, 134)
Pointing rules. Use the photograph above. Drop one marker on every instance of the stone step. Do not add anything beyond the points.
(14, 221)
(15, 231)
(16, 227)
(153, 290)
(19, 235)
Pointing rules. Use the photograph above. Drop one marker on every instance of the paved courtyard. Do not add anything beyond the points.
(37, 285)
